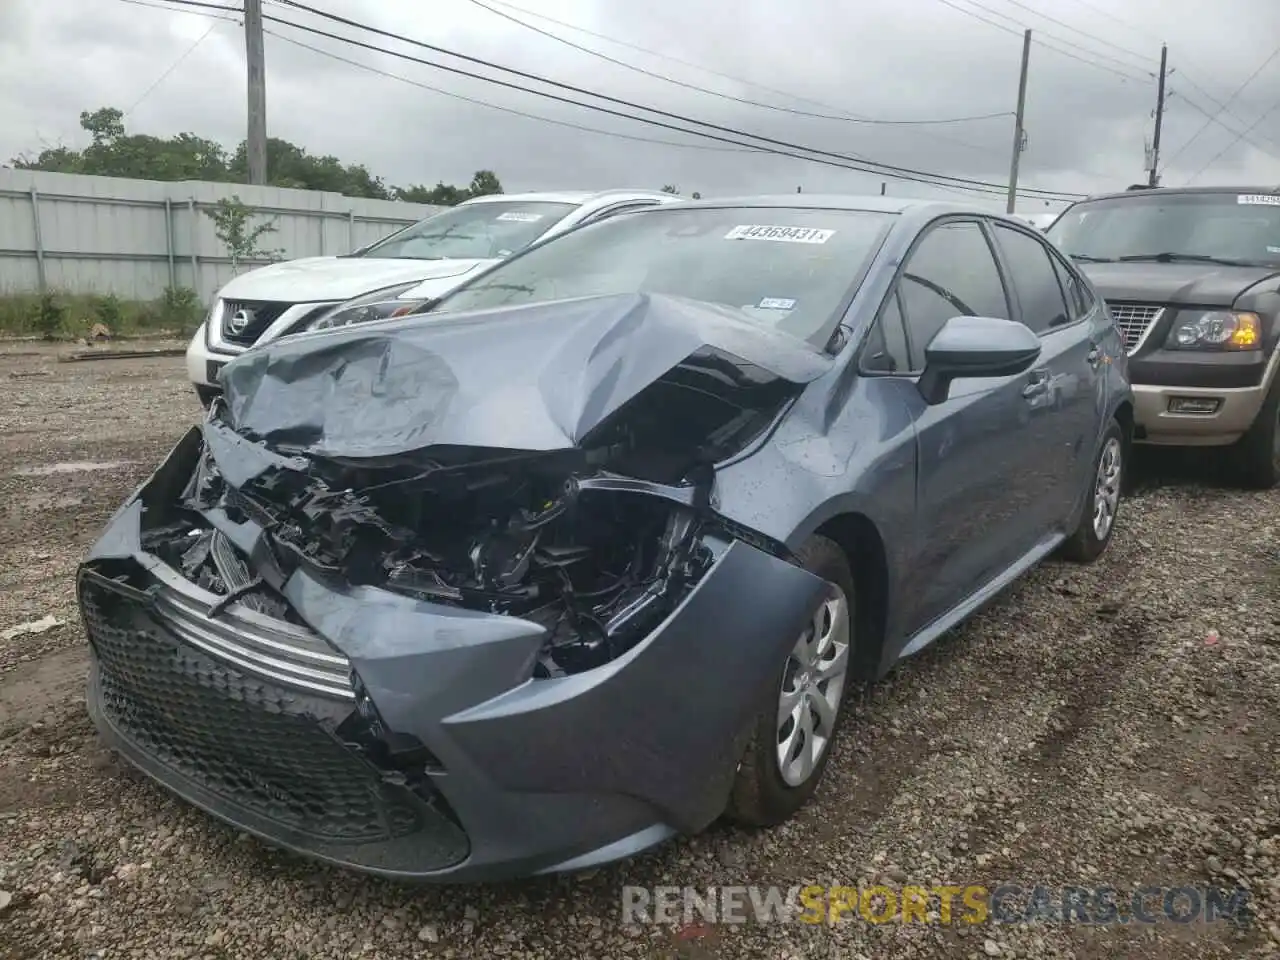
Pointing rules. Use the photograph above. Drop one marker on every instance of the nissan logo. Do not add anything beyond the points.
(239, 320)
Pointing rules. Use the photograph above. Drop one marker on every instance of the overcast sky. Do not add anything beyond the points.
(1087, 113)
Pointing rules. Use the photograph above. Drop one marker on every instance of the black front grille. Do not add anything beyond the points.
(244, 321)
(263, 748)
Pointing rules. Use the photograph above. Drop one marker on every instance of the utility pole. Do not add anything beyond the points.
(256, 142)
(883, 187)
(1018, 132)
(1153, 179)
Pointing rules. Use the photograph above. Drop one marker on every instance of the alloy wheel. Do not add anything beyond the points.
(1106, 489)
(812, 688)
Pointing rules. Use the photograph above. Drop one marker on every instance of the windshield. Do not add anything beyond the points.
(779, 267)
(1222, 227)
(473, 231)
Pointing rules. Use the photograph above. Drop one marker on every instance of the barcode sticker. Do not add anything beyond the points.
(748, 231)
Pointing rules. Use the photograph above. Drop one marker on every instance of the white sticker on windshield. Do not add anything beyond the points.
(781, 234)
(515, 216)
(1260, 199)
(775, 303)
(1271, 249)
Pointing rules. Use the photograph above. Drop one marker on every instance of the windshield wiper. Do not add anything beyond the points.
(1171, 257)
(1087, 258)
(516, 287)
(442, 235)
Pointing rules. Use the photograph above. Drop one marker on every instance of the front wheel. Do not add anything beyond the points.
(793, 733)
(1098, 520)
(1257, 453)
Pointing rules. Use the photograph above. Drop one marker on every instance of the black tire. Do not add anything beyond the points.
(1256, 455)
(1084, 545)
(760, 796)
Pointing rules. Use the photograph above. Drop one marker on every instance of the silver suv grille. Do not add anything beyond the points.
(1134, 320)
(244, 321)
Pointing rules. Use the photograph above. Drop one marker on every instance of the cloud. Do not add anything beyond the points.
(918, 59)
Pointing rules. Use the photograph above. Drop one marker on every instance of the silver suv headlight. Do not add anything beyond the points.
(381, 304)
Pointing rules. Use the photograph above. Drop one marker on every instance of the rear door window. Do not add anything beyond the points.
(1044, 305)
(1078, 296)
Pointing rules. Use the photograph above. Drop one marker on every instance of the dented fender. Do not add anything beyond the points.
(660, 722)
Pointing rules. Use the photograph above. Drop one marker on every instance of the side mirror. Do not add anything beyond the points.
(975, 347)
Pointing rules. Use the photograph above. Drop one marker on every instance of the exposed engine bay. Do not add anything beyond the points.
(597, 543)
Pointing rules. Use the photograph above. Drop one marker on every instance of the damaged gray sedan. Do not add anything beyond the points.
(594, 550)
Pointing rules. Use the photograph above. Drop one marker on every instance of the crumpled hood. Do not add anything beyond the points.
(314, 279)
(1191, 284)
(533, 377)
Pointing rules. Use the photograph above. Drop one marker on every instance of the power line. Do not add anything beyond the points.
(493, 106)
(868, 166)
(1218, 156)
(1103, 12)
(743, 82)
(715, 93)
(787, 149)
(983, 188)
(1217, 119)
(1036, 40)
(1077, 30)
(172, 67)
(531, 116)
(691, 86)
(1235, 93)
(849, 118)
(234, 18)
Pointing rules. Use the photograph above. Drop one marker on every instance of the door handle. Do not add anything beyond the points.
(1038, 385)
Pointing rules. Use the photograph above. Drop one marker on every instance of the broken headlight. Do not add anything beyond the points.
(384, 304)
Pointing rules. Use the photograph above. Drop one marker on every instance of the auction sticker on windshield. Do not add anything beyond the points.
(515, 216)
(781, 234)
(1260, 199)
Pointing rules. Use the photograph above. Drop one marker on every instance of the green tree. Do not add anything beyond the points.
(114, 152)
(289, 165)
(672, 189)
(442, 194)
(233, 224)
(105, 125)
(485, 183)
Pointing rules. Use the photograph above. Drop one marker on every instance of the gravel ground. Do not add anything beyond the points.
(1111, 725)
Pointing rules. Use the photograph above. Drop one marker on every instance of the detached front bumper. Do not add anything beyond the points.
(408, 739)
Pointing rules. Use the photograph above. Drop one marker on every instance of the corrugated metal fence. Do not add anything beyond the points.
(133, 238)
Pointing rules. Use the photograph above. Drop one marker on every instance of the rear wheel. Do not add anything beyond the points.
(1098, 521)
(793, 733)
(1257, 453)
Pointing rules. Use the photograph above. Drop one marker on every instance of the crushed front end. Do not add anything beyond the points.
(456, 662)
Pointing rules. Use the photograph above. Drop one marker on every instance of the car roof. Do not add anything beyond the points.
(832, 201)
(1270, 189)
(577, 197)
